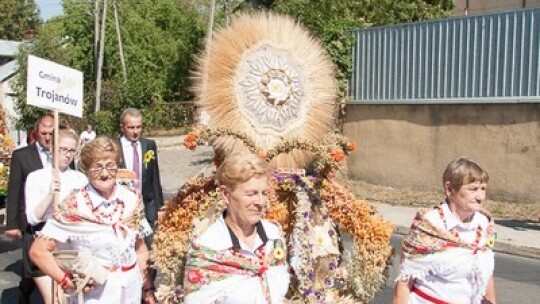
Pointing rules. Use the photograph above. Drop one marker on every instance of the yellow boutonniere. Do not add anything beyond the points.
(279, 253)
(490, 243)
(148, 157)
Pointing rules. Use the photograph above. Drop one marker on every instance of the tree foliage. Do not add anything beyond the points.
(18, 18)
(159, 38)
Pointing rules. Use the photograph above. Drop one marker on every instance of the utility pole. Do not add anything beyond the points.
(226, 9)
(120, 43)
(96, 36)
(101, 54)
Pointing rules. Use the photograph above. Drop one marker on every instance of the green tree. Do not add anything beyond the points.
(18, 18)
(159, 39)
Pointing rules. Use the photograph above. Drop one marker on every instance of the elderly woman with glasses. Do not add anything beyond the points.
(41, 186)
(105, 220)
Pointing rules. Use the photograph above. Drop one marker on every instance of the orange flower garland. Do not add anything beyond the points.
(331, 151)
(371, 234)
(174, 231)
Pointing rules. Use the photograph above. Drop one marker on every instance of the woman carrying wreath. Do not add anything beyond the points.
(107, 221)
(448, 255)
(240, 258)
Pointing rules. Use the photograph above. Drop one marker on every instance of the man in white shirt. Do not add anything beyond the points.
(87, 135)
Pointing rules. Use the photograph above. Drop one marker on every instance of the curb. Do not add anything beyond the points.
(500, 247)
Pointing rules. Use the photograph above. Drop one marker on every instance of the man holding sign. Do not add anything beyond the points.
(25, 161)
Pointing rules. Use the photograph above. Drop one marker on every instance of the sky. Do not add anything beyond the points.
(49, 8)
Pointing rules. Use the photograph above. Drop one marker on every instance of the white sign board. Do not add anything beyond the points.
(54, 86)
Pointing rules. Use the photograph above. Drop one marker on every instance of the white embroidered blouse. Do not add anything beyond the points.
(456, 275)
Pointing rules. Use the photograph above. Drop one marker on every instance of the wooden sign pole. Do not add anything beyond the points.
(56, 159)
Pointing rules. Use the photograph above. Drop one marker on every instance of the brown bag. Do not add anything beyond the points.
(84, 266)
(81, 263)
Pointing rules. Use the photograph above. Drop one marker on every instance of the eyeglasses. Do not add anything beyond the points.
(98, 168)
(66, 151)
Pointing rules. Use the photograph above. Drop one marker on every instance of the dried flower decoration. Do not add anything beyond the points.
(329, 153)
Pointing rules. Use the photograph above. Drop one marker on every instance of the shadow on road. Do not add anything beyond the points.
(15, 267)
(519, 225)
(202, 161)
(9, 245)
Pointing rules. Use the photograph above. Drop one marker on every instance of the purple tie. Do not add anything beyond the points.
(136, 165)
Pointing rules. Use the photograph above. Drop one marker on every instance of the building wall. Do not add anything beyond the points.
(410, 145)
(484, 6)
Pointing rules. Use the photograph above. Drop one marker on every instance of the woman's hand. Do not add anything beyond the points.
(55, 184)
(89, 286)
(402, 290)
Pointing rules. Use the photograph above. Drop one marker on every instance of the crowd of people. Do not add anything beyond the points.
(90, 236)
(84, 214)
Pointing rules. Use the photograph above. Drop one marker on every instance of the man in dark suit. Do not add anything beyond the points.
(140, 156)
(23, 162)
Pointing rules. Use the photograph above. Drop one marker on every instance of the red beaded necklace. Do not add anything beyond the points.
(104, 216)
(455, 232)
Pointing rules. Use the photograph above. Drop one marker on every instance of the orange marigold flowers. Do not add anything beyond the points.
(337, 155)
(190, 141)
(262, 155)
(351, 145)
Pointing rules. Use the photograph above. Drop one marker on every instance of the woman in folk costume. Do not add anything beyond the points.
(239, 258)
(448, 255)
(106, 221)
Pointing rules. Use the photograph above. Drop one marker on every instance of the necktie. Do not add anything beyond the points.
(136, 165)
(48, 156)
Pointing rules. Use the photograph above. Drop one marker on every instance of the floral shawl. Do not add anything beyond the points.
(430, 251)
(424, 238)
(69, 221)
(208, 266)
(205, 265)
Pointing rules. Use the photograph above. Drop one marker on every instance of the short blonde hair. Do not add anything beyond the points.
(98, 149)
(462, 171)
(239, 168)
(69, 134)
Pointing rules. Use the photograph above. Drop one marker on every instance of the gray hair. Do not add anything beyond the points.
(131, 112)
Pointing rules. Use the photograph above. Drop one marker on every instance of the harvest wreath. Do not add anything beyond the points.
(312, 209)
(267, 86)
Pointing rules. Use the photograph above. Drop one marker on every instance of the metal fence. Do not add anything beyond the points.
(481, 59)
